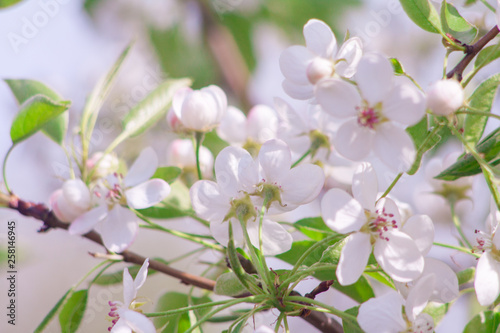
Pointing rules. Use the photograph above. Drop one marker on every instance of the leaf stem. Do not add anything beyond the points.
(309, 151)
(4, 169)
(478, 113)
(389, 189)
(198, 140)
(330, 309)
(458, 248)
(458, 226)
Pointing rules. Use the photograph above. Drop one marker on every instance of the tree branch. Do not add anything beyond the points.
(470, 52)
(40, 212)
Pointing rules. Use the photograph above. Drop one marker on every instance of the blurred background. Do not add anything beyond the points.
(69, 45)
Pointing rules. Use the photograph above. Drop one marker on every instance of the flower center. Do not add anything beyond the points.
(113, 314)
(422, 324)
(114, 190)
(269, 192)
(368, 117)
(380, 222)
(485, 243)
(242, 208)
(318, 69)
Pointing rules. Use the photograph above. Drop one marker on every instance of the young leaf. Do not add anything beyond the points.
(484, 322)
(99, 94)
(72, 312)
(454, 24)
(177, 323)
(24, 89)
(152, 108)
(350, 326)
(423, 14)
(424, 140)
(35, 113)
(437, 311)
(487, 55)
(8, 3)
(465, 276)
(396, 65)
(467, 165)
(482, 100)
(53, 312)
(314, 228)
(228, 284)
(168, 174)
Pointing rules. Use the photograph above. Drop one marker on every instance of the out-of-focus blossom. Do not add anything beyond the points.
(71, 201)
(305, 66)
(119, 225)
(181, 154)
(445, 97)
(108, 164)
(200, 110)
(125, 316)
(370, 224)
(376, 120)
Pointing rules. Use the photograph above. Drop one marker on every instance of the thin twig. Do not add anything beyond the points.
(470, 52)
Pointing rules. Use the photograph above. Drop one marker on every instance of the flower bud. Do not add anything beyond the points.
(181, 154)
(445, 97)
(200, 110)
(108, 164)
(318, 69)
(71, 201)
(262, 123)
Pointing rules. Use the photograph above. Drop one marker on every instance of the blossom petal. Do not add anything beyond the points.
(419, 296)
(351, 51)
(140, 278)
(208, 202)
(496, 236)
(129, 292)
(302, 184)
(365, 186)
(421, 229)
(293, 63)
(138, 322)
(231, 127)
(86, 222)
(341, 212)
(227, 169)
(220, 231)
(446, 284)
(353, 258)
(399, 256)
(119, 230)
(320, 38)
(353, 141)
(394, 147)
(382, 314)
(405, 104)
(147, 194)
(374, 77)
(143, 168)
(338, 98)
(218, 96)
(262, 123)
(121, 327)
(390, 208)
(298, 91)
(275, 159)
(275, 238)
(178, 99)
(487, 280)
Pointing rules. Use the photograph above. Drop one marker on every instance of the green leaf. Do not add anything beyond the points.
(465, 276)
(176, 204)
(24, 89)
(481, 100)
(72, 312)
(350, 326)
(454, 24)
(168, 174)
(99, 94)
(467, 165)
(228, 284)
(487, 55)
(359, 291)
(152, 108)
(53, 312)
(423, 14)
(437, 311)
(35, 113)
(396, 65)
(8, 3)
(314, 228)
(484, 322)
(172, 301)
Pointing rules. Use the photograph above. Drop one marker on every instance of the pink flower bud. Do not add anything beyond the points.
(445, 97)
(71, 201)
(318, 69)
(181, 154)
(108, 164)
